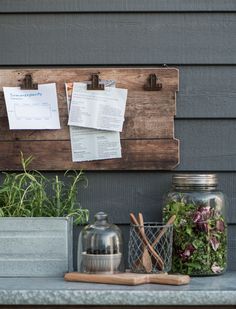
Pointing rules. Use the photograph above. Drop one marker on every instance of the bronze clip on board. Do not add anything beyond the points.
(28, 84)
(152, 84)
(95, 85)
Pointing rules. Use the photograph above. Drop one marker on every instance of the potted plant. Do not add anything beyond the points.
(36, 215)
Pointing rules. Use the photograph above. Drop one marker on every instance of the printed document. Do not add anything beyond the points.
(91, 144)
(98, 109)
(32, 109)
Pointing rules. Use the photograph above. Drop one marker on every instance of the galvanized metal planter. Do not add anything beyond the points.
(35, 247)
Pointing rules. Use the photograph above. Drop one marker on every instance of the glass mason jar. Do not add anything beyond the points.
(200, 228)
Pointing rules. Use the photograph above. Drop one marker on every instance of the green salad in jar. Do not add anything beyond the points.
(200, 237)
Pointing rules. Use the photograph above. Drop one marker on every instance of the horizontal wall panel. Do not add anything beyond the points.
(117, 39)
(114, 5)
(207, 144)
(207, 92)
(119, 193)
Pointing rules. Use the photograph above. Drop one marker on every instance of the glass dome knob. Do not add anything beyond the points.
(101, 216)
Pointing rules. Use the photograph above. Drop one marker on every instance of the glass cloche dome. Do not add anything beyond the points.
(100, 247)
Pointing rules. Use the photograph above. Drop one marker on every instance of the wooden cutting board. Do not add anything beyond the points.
(128, 278)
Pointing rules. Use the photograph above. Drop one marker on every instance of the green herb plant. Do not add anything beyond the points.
(199, 241)
(30, 194)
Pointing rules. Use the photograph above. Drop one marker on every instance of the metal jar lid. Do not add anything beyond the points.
(195, 180)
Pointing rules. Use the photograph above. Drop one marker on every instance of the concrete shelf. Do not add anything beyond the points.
(202, 291)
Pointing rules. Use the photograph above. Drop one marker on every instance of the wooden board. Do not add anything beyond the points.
(147, 138)
(128, 278)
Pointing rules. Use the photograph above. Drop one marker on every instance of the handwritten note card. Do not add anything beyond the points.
(102, 110)
(32, 109)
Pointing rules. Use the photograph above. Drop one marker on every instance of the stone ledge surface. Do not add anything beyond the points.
(218, 290)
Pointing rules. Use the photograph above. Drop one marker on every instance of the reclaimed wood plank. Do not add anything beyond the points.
(134, 78)
(205, 145)
(149, 116)
(56, 155)
(134, 127)
(205, 92)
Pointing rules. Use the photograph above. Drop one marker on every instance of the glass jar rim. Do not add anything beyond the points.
(198, 180)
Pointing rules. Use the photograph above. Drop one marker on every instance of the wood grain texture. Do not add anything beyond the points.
(147, 138)
(128, 278)
(13, 6)
(56, 155)
(133, 128)
(205, 92)
(117, 39)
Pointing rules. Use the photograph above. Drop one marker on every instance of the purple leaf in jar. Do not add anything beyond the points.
(214, 243)
(205, 212)
(187, 252)
(200, 217)
(197, 216)
(220, 226)
(202, 227)
(216, 268)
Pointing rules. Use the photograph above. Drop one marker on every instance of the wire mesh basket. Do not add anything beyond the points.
(150, 248)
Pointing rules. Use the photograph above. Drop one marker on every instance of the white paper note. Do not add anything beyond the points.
(99, 109)
(91, 144)
(32, 109)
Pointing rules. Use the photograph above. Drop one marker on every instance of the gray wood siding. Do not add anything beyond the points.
(118, 39)
(197, 36)
(207, 92)
(207, 145)
(116, 5)
(119, 193)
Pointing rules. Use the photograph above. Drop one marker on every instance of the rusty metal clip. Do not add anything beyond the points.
(95, 83)
(152, 84)
(27, 83)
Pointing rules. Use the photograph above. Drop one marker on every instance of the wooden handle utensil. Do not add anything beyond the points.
(146, 242)
(146, 258)
(163, 231)
(145, 261)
